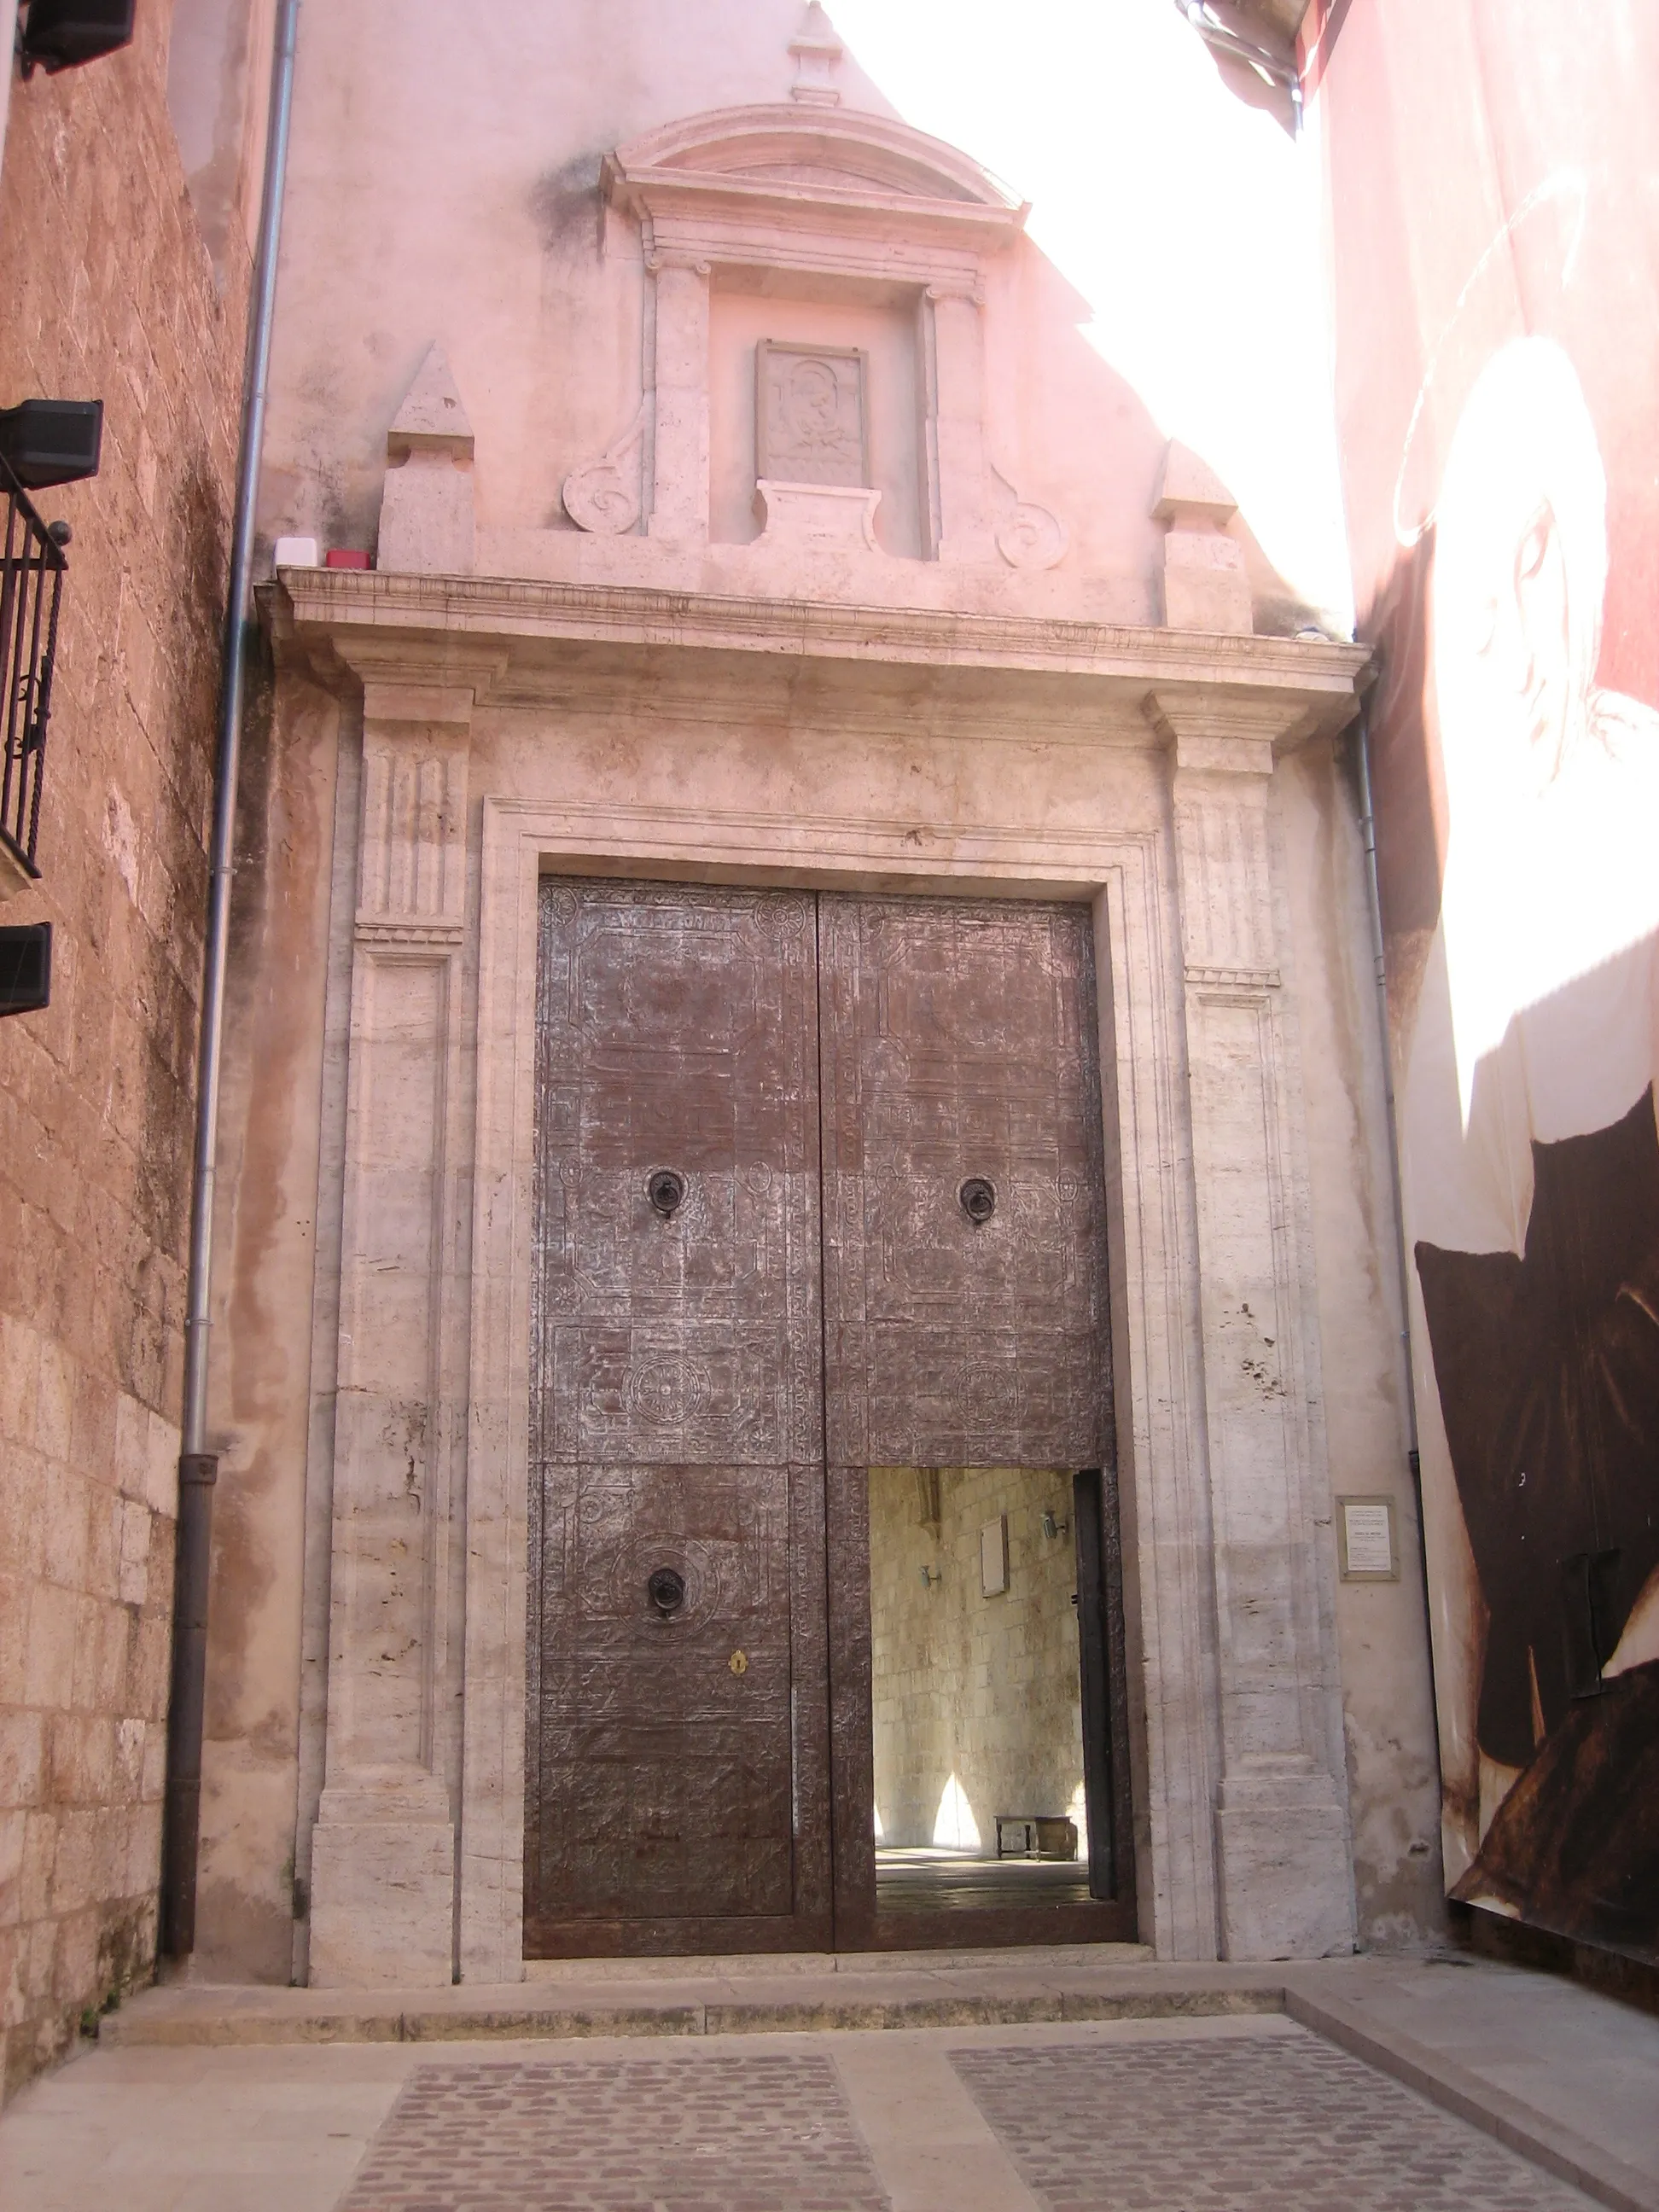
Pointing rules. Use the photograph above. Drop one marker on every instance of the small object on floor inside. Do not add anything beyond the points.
(1036, 1835)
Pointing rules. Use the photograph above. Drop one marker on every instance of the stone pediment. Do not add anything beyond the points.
(759, 163)
(813, 202)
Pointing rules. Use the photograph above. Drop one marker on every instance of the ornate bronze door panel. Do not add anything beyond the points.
(965, 1188)
(676, 1766)
(965, 1289)
(678, 1761)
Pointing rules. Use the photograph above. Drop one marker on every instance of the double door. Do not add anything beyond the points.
(818, 1188)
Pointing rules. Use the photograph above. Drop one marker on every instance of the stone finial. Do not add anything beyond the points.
(427, 520)
(1205, 586)
(817, 53)
(432, 418)
(1189, 489)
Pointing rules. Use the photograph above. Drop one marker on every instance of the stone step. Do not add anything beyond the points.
(707, 1998)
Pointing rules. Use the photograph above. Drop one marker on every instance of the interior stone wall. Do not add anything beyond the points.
(981, 1690)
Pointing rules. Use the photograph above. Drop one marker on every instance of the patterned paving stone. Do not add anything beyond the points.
(754, 2134)
(1285, 2123)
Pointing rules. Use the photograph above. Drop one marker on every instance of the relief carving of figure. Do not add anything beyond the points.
(810, 415)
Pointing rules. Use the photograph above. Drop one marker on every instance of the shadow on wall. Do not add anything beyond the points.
(216, 98)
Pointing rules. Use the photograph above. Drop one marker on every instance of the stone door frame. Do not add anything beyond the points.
(1121, 879)
(1242, 1843)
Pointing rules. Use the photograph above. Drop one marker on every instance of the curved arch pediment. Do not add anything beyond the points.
(812, 150)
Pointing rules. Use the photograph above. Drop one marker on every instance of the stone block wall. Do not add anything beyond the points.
(983, 1691)
(106, 291)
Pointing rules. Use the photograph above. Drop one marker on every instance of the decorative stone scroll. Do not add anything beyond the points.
(1028, 536)
(605, 496)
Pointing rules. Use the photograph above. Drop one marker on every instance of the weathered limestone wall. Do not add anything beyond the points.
(1381, 1627)
(109, 293)
(980, 1690)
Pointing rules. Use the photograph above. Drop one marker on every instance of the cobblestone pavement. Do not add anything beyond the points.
(740, 2133)
(1249, 2113)
(1285, 2121)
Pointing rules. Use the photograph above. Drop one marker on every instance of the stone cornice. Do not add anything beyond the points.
(722, 210)
(432, 629)
(812, 188)
(1209, 731)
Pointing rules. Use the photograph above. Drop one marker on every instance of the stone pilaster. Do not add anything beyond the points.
(953, 347)
(1283, 1846)
(679, 474)
(383, 1869)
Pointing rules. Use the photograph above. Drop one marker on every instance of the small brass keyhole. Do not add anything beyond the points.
(739, 1662)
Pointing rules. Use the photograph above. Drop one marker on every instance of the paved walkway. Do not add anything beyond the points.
(1363, 2086)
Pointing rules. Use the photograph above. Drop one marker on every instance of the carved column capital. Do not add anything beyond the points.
(968, 286)
(422, 704)
(411, 879)
(664, 259)
(1208, 730)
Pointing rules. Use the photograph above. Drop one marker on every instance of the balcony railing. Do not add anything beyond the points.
(31, 586)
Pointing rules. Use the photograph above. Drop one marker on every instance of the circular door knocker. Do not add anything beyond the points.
(978, 1199)
(666, 1589)
(666, 1191)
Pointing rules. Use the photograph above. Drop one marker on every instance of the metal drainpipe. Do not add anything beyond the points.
(198, 1468)
(8, 66)
(1374, 899)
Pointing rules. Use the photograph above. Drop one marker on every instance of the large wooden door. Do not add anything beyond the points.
(677, 1767)
(965, 1288)
(698, 1768)
(964, 1187)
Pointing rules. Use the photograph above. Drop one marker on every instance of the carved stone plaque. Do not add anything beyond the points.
(964, 1189)
(809, 415)
(676, 1480)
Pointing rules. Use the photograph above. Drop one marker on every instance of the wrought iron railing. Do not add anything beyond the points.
(31, 586)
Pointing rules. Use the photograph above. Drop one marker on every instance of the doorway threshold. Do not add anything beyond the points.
(762, 1965)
